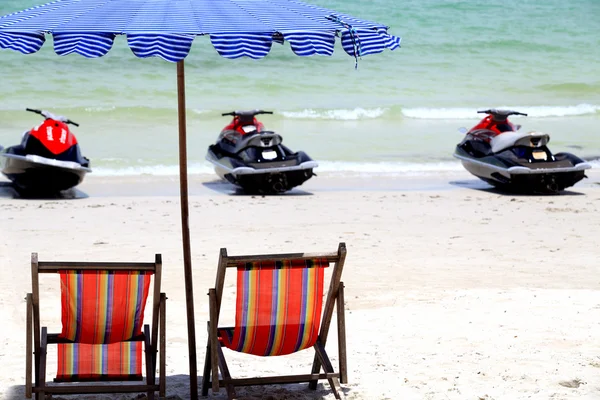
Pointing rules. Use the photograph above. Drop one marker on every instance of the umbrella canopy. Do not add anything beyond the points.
(167, 29)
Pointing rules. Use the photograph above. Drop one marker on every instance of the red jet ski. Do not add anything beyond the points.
(254, 159)
(48, 159)
(497, 152)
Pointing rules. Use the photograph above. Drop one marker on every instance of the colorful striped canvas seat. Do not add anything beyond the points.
(103, 335)
(80, 362)
(280, 310)
(102, 314)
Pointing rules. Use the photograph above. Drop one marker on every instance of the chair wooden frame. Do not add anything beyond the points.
(38, 338)
(215, 359)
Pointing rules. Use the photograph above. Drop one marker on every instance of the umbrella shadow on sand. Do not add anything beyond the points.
(177, 386)
(479, 185)
(224, 187)
(9, 191)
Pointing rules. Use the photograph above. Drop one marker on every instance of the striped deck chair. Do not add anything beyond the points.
(102, 337)
(279, 311)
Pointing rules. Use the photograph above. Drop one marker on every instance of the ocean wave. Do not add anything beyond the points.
(577, 88)
(594, 162)
(153, 170)
(345, 168)
(531, 111)
(388, 168)
(392, 112)
(335, 167)
(200, 112)
(100, 109)
(336, 114)
(432, 113)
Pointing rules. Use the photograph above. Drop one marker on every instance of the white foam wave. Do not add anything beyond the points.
(595, 163)
(154, 170)
(100, 109)
(196, 111)
(549, 111)
(335, 167)
(471, 113)
(388, 168)
(340, 114)
(440, 113)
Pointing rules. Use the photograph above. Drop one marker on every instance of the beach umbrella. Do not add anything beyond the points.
(167, 29)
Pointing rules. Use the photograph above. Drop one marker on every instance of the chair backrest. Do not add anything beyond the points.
(101, 307)
(102, 313)
(279, 305)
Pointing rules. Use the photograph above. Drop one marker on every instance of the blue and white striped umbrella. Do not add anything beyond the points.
(167, 29)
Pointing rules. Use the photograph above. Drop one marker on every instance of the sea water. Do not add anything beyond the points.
(397, 113)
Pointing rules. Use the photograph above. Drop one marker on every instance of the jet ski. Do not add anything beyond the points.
(48, 159)
(254, 159)
(497, 152)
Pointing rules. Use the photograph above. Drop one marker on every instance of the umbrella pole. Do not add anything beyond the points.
(185, 230)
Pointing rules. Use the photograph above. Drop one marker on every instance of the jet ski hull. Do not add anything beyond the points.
(270, 182)
(35, 174)
(265, 177)
(523, 177)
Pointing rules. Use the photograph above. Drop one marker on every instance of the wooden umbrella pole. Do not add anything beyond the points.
(185, 230)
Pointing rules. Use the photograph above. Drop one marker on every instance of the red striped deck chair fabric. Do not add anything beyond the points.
(80, 362)
(103, 314)
(103, 337)
(279, 310)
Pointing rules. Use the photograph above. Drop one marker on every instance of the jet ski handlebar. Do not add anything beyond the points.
(501, 114)
(250, 114)
(49, 115)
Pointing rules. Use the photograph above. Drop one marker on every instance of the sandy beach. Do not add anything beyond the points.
(453, 290)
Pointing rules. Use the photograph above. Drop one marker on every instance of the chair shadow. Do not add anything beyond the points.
(177, 386)
(479, 185)
(9, 191)
(224, 187)
(289, 391)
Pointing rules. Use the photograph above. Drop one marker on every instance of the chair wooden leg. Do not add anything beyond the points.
(213, 338)
(150, 368)
(41, 384)
(328, 368)
(163, 347)
(312, 385)
(207, 370)
(28, 346)
(341, 325)
(36, 350)
(226, 375)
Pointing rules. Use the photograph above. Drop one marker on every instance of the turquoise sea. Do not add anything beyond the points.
(398, 113)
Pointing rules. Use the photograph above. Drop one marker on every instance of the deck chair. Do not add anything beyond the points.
(102, 312)
(279, 310)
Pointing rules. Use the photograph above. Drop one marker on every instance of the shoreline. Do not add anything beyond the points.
(211, 184)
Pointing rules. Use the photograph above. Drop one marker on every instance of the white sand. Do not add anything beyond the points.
(452, 291)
